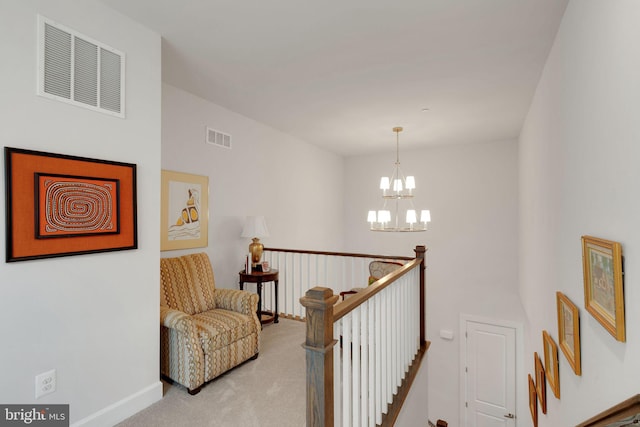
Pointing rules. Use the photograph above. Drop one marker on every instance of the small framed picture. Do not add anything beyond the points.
(533, 401)
(569, 331)
(603, 284)
(184, 218)
(541, 384)
(551, 363)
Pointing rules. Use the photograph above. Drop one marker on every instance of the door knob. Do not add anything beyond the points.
(509, 416)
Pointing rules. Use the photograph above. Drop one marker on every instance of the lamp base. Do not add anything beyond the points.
(255, 249)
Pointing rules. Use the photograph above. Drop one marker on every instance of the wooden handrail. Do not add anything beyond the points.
(361, 296)
(344, 254)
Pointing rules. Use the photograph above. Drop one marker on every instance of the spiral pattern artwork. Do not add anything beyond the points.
(74, 206)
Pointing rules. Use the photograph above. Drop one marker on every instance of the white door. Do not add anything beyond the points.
(489, 375)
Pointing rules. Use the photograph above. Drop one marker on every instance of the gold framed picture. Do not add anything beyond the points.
(541, 384)
(533, 401)
(569, 331)
(551, 363)
(185, 211)
(603, 283)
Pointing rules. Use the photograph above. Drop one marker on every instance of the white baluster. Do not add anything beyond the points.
(364, 368)
(379, 362)
(337, 376)
(355, 363)
(346, 370)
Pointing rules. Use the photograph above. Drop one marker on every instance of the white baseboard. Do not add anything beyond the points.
(123, 409)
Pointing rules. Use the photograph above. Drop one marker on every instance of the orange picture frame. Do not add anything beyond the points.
(569, 331)
(551, 363)
(603, 284)
(61, 205)
(533, 401)
(541, 383)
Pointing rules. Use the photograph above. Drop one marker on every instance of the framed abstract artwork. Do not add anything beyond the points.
(533, 402)
(603, 284)
(185, 211)
(60, 205)
(569, 331)
(551, 363)
(541, 383)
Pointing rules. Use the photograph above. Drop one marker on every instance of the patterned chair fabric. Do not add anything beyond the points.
(377, 270)
(204, 331)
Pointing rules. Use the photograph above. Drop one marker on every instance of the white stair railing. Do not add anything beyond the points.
(378, 340)
(300, 271)
(363, 380)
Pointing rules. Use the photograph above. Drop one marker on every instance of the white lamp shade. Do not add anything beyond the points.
(397, 185)
(384, 183)
(410, 182)
(425, 216)
(255, 226)
(372, 216)
(384, 216)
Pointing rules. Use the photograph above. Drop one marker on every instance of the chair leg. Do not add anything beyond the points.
(194, 391)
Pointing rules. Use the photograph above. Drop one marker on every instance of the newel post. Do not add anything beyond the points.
(420, 253)
(319, 344)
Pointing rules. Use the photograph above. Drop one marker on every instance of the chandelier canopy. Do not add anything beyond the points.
(397, 192)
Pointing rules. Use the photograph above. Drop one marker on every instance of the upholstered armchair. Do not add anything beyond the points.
(204, 331)
(377, 270)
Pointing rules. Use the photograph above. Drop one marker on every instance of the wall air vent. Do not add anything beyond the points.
(75, 69)
(218, 138)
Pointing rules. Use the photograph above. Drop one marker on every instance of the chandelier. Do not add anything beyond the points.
(397, 192)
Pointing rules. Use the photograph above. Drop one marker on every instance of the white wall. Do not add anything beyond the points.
(295, 185)
(579, 175)
(471, 191)
(93, 318)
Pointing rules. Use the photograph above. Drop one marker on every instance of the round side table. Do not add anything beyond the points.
(259, 277)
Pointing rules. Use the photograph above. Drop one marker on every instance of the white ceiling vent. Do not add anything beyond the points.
(76, 69)
(218, 138)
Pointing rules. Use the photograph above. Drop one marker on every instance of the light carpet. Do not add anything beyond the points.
(268, 391)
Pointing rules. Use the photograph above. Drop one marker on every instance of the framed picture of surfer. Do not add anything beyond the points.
(185, 211)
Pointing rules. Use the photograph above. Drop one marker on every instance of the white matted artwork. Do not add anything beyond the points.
(185, 211)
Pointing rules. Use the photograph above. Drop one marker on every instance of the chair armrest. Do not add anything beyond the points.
(176, 319)
(182, 356)
(344, 294)
(244, 302)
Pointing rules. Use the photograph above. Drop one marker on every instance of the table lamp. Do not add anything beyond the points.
(255, 227)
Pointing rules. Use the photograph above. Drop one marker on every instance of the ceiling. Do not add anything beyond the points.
(341, 74)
